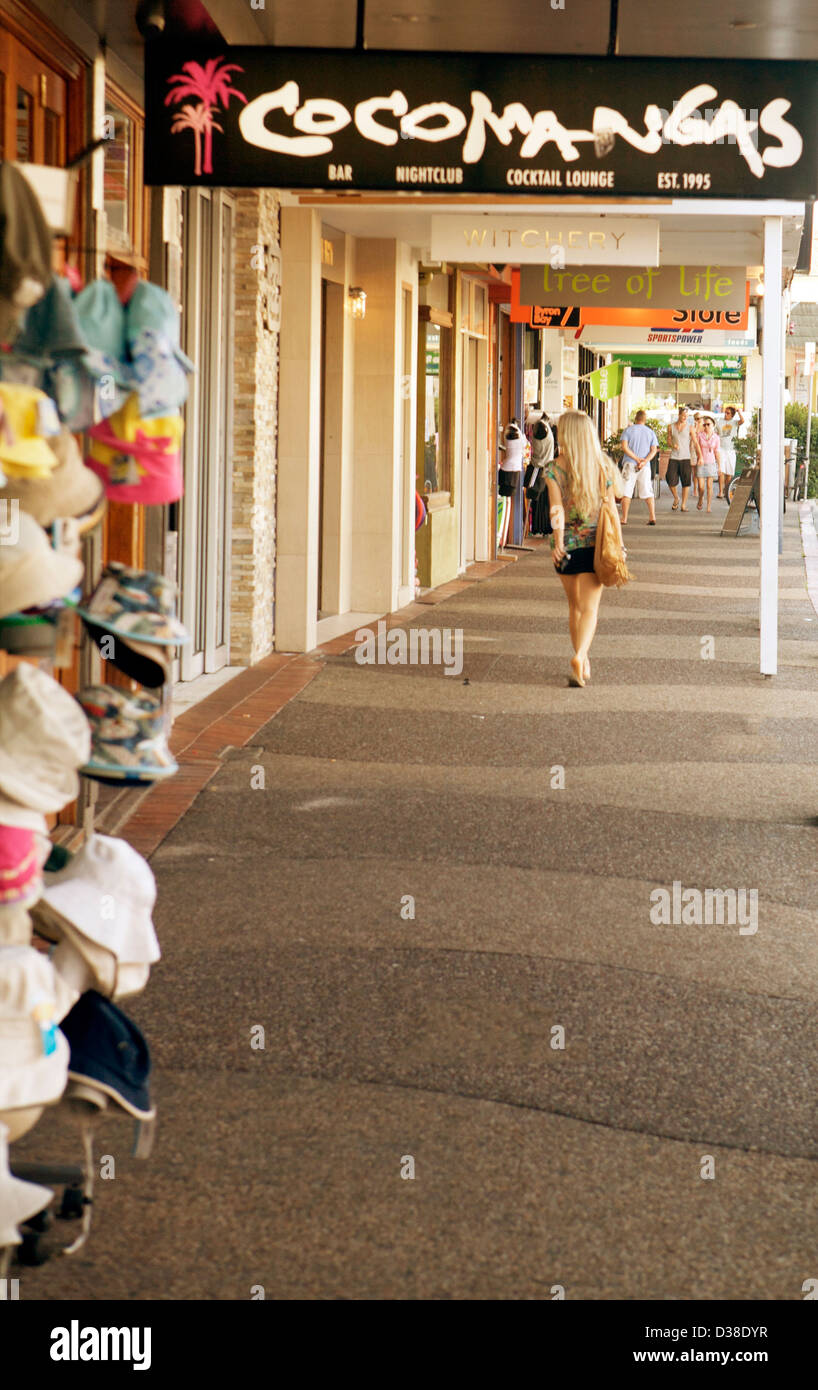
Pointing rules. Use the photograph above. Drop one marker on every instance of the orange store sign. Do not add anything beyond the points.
(576, 316)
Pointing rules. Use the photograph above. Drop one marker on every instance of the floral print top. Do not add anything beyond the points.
(580, 531)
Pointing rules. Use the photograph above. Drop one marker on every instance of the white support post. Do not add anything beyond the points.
(771, 428)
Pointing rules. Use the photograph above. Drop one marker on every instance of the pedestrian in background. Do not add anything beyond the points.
(694, 458)
(578, 480)
(709, 456)
(639, 444)
(683, 449)
(727, 429)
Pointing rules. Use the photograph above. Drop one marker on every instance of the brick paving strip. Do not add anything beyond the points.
(232, 715)
(809, 541)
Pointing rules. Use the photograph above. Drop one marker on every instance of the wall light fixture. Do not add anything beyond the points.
(357, 302)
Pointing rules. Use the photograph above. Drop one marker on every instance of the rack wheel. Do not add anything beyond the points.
(30, 1253)
(72, 1205)
(39, 1223)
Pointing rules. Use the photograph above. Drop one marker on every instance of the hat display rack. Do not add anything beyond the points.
(102, 364)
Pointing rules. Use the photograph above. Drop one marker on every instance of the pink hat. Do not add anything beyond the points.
(20, 865)
(139, 460)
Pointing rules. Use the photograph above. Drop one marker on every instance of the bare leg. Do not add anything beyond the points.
(651, 508)
(709, 494)
(573, 614)
(675, 495)
(685, 491)
(570, 584)
(589, 593)
(626, 506)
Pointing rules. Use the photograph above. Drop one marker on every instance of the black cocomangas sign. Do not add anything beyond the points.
(454, 123)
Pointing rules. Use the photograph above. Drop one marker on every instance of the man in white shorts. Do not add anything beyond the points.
(639, 444)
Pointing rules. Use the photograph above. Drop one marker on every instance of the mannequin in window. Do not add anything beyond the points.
(533, 416)
(542, 443)
(512, 447)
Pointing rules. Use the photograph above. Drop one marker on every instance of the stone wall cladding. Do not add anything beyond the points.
(255, 430)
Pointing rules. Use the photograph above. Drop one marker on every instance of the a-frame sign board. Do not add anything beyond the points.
(748, 485)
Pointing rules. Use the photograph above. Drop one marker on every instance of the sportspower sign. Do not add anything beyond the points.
(629, 127)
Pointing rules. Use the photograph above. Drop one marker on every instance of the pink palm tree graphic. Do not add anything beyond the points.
(212, 86)
(198, 119)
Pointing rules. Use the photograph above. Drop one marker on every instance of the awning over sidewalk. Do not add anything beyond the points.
(682, 365)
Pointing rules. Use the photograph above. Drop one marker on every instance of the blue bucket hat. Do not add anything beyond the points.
(109, 1053)
(151, 307)
(159, 365)
(51, 327)
(101, 320)
(128, 742)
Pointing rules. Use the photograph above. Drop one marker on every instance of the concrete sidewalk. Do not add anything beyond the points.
(432, 1036)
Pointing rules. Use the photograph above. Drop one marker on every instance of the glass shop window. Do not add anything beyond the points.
(434, 453)
(117, 182)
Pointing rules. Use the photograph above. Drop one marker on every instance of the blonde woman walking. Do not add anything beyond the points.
(578, 480)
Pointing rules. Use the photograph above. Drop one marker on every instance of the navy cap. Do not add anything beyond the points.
(109, 1052)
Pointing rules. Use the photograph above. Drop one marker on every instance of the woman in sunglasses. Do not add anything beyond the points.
(709, 459)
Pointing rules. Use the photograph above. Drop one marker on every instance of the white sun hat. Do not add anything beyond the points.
(33, 1052)
(18, 1200)
(44, 738)
(32, 574)
(99, 910)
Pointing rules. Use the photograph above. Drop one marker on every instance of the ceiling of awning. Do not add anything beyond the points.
(686, 237)
(766, 29)
(803, 325)
(769, 29)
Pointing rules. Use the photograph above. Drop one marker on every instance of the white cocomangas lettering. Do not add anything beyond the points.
(372, 129)
(319, 118)
(514, 117)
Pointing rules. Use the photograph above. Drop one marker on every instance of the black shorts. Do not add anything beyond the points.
(580, 561)
(678, 469)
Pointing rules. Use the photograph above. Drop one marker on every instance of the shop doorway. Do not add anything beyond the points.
(407, 468)
(202, 518)
(330, 467)
(468, 459)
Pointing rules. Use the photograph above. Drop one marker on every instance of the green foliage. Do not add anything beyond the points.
(795, 427)
(746, 448)
(659, 430)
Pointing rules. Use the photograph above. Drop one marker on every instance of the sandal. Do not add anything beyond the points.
(699, 504)
(675, 507)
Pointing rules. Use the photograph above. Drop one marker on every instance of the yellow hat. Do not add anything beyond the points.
(28, 414)
(126, 424)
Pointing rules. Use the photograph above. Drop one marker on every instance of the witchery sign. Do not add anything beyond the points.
(628, 127)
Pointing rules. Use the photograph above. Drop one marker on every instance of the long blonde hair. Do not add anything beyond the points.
(586, 468)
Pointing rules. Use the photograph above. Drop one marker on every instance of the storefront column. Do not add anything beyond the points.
(377, 482)
(771, 441)
(299, 424)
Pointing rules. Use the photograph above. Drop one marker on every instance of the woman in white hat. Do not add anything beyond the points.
(728, 429)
